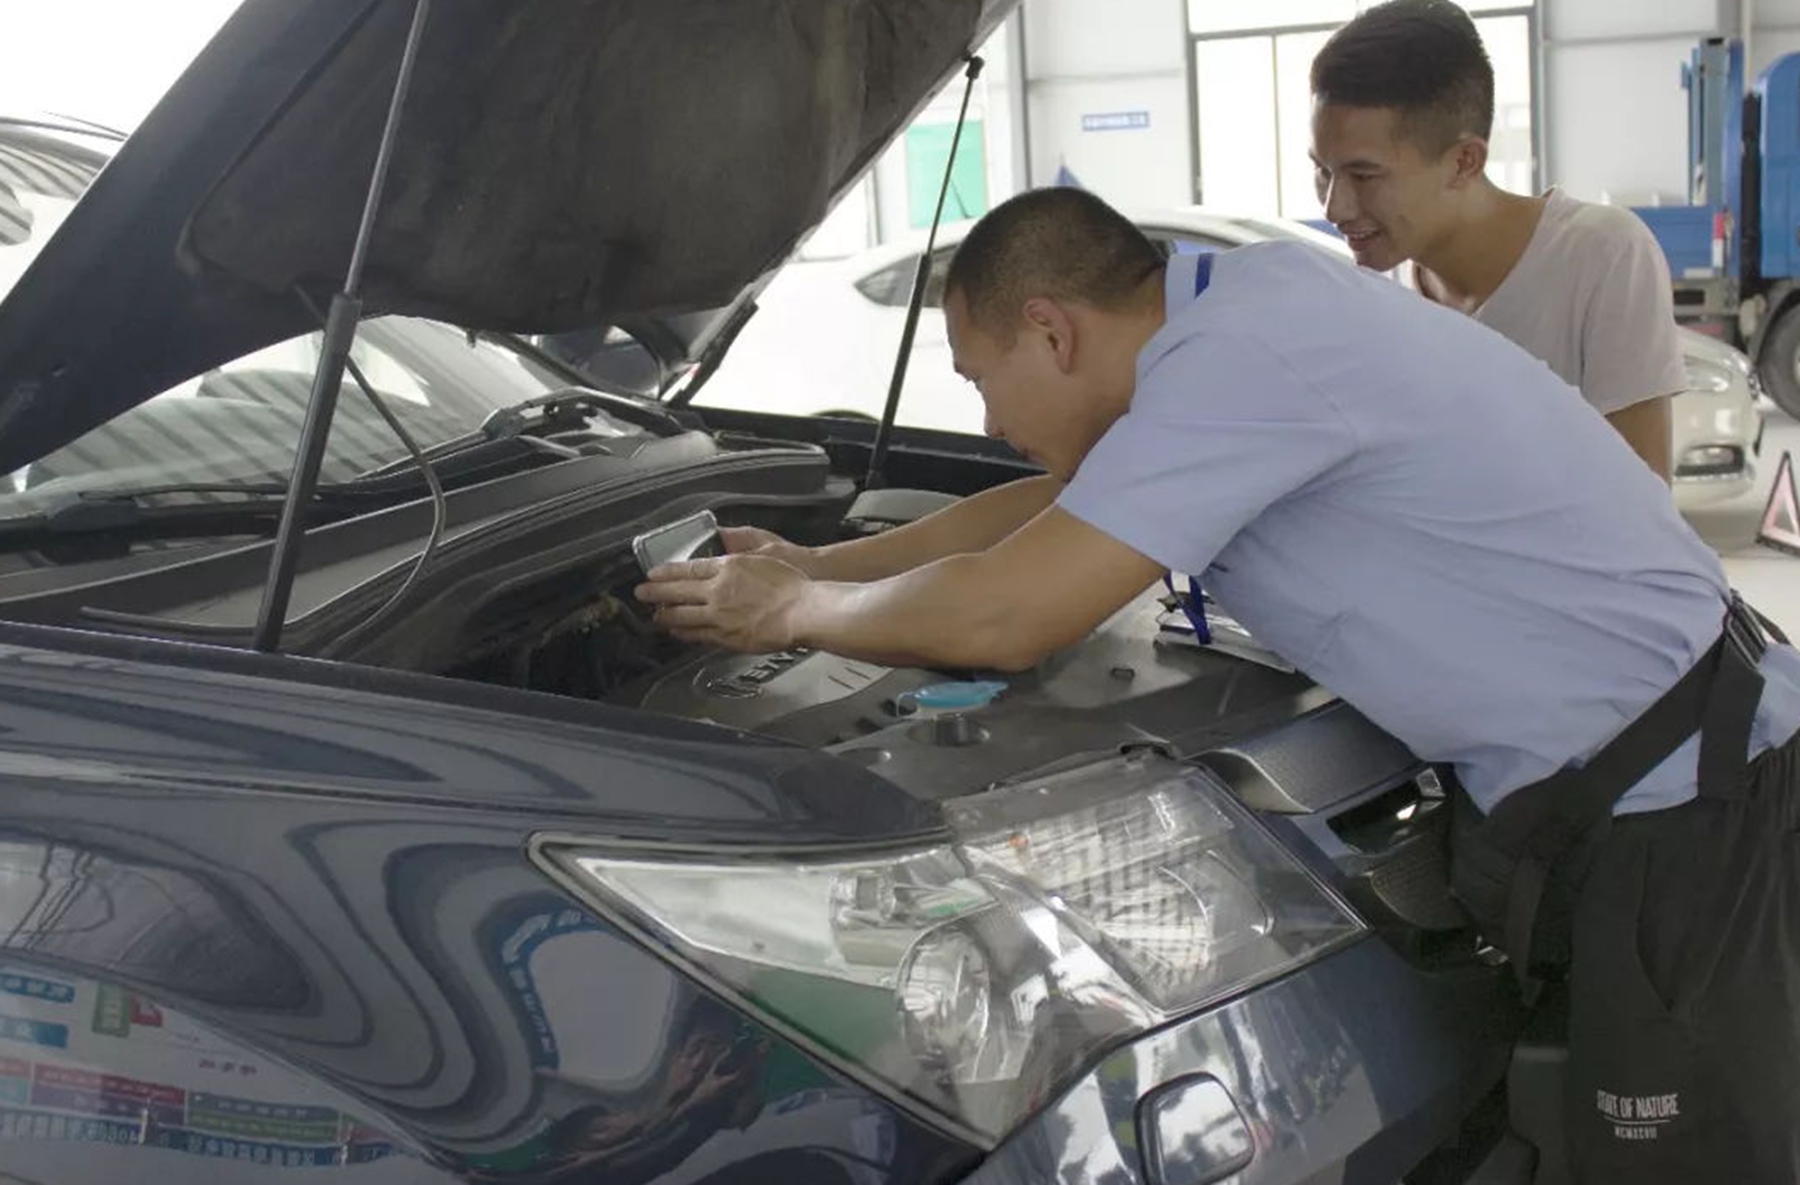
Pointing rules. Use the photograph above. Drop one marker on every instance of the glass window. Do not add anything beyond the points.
(609, 357)
(1294, 54)
(38, 188)
(1512, 147)
(1225, 16)
(892, 285)
(1235, 83)
(1254, 99)
(1234, 16)
(241, 422)
(927, 152)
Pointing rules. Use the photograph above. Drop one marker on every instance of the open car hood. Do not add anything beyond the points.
(560, 164)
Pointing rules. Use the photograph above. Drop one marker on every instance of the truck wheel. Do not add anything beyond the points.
(1779, 365)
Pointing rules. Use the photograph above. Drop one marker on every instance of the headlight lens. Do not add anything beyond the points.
(1066, 915)
(1707, 378)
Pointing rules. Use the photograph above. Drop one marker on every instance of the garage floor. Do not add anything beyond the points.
(1769, 579)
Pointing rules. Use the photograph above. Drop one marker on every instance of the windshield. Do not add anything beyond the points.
(241, 422)
(39, 182)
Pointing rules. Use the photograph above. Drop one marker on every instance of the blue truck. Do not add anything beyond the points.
(1734, 249)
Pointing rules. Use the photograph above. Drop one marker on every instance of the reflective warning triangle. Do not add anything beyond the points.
(1781, 518)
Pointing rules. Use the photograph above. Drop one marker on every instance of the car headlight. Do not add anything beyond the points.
(1708, 378)
(976, 975)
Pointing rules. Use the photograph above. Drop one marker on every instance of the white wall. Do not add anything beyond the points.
(1617, 116)
(1131, 166)
(1617, 120)
(1110, 57)
(1768, 44)
(1566, 20)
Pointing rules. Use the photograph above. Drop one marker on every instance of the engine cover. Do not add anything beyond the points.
(811, 697)
(1121, 686)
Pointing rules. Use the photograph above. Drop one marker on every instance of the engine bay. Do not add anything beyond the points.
(533, 590)
(943, 733)
(1284, 746)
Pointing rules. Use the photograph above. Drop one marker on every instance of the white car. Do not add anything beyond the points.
(826, 331)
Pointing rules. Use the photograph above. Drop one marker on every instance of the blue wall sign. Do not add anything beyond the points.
(1115, 121)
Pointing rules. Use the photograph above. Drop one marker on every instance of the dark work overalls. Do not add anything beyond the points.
(1678, 931)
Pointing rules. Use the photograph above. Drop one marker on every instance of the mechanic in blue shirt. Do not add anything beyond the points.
(1424, 519)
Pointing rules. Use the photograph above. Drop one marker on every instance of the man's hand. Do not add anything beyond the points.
(1004, 608)
(756, 541)
(742, 602)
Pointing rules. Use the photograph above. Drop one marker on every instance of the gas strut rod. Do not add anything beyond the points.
(334, 353)
(878, 456)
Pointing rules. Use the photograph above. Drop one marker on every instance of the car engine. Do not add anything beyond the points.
(944, 732)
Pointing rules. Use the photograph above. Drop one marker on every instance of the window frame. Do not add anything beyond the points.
(1272, 33)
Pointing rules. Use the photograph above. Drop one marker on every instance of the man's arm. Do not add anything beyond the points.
(1648, 427)
(1630, 347)
(975, 523)
(1006, 608)
(1167, 487)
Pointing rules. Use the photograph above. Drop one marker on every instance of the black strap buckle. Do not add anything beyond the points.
(1743, 629)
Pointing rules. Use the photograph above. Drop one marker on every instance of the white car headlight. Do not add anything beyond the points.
(1708, 378)
(976, 975)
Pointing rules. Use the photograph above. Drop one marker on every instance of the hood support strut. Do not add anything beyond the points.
(328, 379)
(878, 455)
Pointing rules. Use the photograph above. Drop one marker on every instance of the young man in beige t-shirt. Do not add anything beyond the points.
(1403, 106)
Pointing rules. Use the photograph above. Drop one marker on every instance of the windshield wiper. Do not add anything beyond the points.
(563, 410)
(130, 512)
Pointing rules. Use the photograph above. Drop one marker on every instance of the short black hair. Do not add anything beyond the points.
(1059, 242)
(1423, 58)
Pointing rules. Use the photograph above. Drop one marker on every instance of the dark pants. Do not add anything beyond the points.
(1684, 1026)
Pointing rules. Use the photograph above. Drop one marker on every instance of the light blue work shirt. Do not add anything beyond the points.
(1419, 515)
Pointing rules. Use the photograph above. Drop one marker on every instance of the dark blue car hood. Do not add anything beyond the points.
(561, 163)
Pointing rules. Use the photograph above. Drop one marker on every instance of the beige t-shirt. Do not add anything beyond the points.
(1591, 297)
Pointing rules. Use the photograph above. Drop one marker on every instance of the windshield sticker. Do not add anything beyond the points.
(112, 1012)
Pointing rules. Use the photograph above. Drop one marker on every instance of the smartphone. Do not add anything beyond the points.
(690, 538)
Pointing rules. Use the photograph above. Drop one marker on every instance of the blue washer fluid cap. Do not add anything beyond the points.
(955, 696)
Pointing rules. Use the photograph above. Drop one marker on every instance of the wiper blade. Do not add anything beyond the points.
(452, 447)
(565, 409)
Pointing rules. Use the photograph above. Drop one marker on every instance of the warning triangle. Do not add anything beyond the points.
(1781, 518)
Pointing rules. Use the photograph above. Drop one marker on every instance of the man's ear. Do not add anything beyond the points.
(1471, 155)
(1049, 320)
